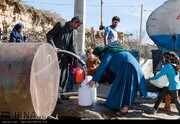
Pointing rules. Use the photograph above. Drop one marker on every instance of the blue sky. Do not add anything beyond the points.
(128, 10)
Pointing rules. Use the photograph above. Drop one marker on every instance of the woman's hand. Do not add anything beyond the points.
(91, 83)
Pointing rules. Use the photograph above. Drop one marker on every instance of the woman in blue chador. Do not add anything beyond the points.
(129, 78)
(17, 34)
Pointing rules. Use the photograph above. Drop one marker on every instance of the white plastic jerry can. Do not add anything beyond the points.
(85, 95)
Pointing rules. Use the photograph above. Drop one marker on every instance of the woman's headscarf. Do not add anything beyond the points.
(18, 26)
(101, 50)
(15, 36)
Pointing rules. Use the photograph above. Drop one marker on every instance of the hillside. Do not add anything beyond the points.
(14, 11)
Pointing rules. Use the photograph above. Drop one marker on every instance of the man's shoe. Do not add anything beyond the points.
(59, 101)
(63, 97)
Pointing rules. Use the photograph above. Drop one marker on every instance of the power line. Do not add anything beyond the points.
(57, 4)
(47, 3)
(119, 6)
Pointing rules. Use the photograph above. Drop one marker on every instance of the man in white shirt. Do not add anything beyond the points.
(110, 33)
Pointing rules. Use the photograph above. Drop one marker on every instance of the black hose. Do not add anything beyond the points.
(72, 55)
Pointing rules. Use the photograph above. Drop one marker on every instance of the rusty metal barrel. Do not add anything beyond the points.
(29, 80)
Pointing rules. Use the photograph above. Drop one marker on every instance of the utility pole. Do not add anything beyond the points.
(101, 11)
(80, 10)
(140, 31)
(101, 27)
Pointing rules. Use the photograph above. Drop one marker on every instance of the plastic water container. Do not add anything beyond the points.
(94, 89)
(79, 75)
(160, 82)
(87, 95)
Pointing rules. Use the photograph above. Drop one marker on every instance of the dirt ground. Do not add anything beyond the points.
(71, 110)
(140, 109)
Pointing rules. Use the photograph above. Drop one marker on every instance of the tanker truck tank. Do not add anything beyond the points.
(163, 26)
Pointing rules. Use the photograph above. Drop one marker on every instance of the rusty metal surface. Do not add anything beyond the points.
(29, 79)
